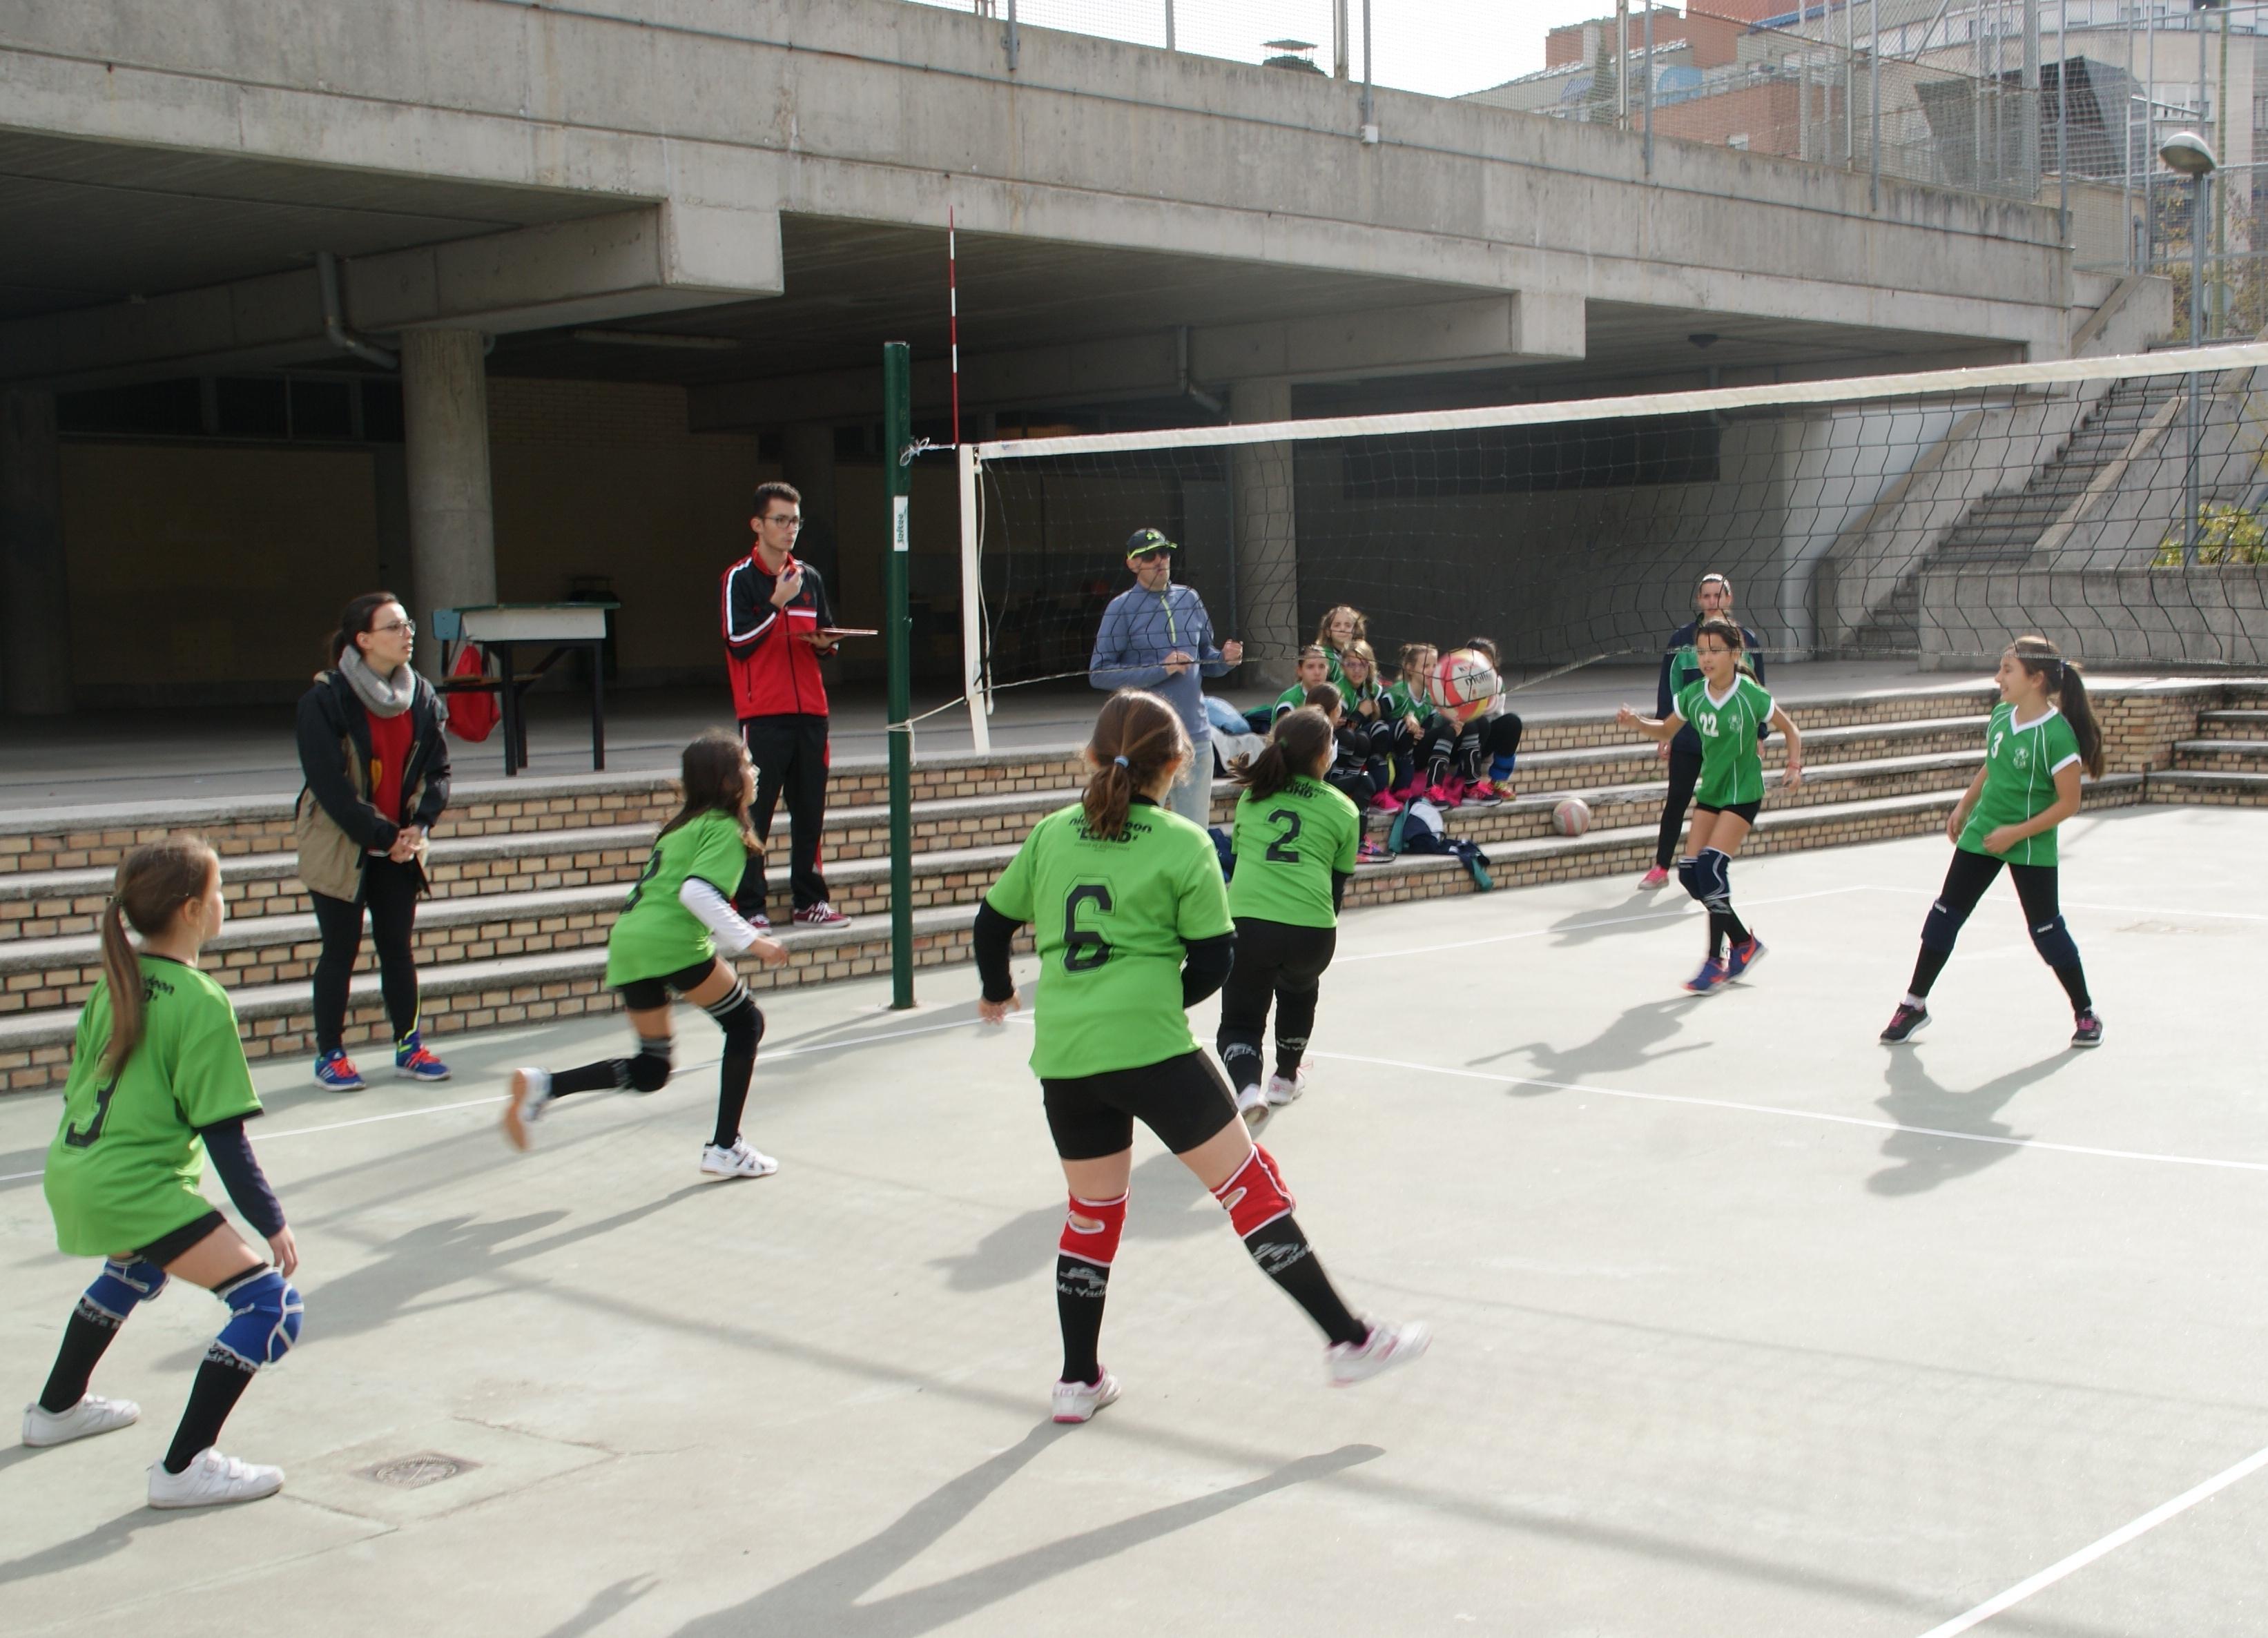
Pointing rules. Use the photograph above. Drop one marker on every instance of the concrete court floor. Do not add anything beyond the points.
(1744, 1324)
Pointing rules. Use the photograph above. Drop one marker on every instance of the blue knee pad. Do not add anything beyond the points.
(1688, 877)
(118, 1287)
(1501, 768)
(1715, 872)
(649, 1071)
(264, 1316)
(1942, 927)
(2053, 941)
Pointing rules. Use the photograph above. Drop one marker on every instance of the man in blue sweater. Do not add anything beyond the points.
(1157, 636)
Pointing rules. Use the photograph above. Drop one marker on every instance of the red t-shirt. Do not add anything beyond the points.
(390, 741)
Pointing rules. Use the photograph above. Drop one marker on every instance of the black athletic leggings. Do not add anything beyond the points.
(1275, 961)
(1966, 878)
(1684, 773)
(390, 892)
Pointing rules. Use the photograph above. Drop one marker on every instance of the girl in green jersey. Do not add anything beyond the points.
(1728, 708)
(666, 942)
(2043, 734)
(1295, 837)
(1132, 930)
(158, 1083)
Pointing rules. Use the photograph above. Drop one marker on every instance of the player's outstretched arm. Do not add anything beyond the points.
(1783, 724)
(1661, 730)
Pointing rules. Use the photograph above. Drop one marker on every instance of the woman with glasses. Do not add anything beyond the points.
(377, 771)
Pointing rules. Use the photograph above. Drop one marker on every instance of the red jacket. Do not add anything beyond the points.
(773, 673)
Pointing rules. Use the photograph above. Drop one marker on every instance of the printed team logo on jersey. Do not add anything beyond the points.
(2023, 758)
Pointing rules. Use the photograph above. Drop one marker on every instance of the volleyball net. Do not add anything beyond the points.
(2118, 505)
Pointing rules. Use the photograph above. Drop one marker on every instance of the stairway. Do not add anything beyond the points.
(2004, 527)
(530, 872)
(2228, 764)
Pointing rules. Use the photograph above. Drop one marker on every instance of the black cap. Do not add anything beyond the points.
(1142, 542)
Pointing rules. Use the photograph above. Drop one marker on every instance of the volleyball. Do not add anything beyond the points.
(1572, 817)
(1462, 684)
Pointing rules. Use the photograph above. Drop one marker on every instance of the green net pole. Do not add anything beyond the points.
(897, 447)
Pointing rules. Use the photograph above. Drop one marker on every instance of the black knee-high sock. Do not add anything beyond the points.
(2074, 979)
(1080, 1286)
(220, 1383)
(603, 1076)
(733, 1071)
(86, 1334)
(1927, 967)
(1726, 923)
(1295, 1021)
(1286, 1257)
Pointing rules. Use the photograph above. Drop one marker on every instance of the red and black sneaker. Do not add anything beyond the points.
(1904, 1024)
(2088, 1032)
(820, 915)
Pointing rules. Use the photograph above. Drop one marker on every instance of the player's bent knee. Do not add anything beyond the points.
(265, 1312)
(1688, 877)
(650, 1069)
(1092, 1229)
(1940, 930)
(2053, 940)
(120, 1287)
(738, 1018)
(1255, 1195)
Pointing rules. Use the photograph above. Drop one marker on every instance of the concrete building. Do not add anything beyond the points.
(487, 300)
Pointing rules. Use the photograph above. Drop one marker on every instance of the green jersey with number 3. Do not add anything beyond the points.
(1732, 772)
(1112, 917)
(655, 935)
(125, 1164)
(1286, 846)
(2021, 760)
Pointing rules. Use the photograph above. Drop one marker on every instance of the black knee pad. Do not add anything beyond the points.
(1942, 927)
(740, 1019)
(1688, 877)
(2052, 939)
(1714, 871)
(650, 1069)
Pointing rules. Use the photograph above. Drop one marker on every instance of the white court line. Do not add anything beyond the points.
(1681, 908)
(1799, 1114)
(475, 1103)
(2111, 1543)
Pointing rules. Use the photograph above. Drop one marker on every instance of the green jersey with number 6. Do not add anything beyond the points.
(1286, 846)
(655, 935)
(125, 1164)
(1732, 772)
(2021, 760)
(1112, 917)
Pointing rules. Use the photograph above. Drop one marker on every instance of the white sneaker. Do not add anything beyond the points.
(211, 1479)
(90, 1416)
(531, 1091)
(1386, 1347)
(1252, 1104)
(740, 1161)
(1077, 1401)
(1281, 1091)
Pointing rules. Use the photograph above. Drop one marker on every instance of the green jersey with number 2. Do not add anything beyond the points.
(655, 935)
(2021, 760)
(1732, 772)
(1111, 917)
(1287, 845)
(126, 1161)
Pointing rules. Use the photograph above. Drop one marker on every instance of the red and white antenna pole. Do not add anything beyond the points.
(953, 308)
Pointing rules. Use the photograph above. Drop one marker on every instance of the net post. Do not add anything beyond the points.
(972, 610)
(897, 445)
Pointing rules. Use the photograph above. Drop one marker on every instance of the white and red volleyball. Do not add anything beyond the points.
(1570, 816)
(1462, 684)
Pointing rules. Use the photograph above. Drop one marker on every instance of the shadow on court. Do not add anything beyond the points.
(605, 1604)
(1628, 1043)
(826, 1597)
(111, 1536)
(1920, 1162)
(1645, 911)
(1164, 1203)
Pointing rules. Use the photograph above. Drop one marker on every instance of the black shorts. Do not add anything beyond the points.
(1746, 811)
(1184, 1100)
(166, 1247)
(644, 995)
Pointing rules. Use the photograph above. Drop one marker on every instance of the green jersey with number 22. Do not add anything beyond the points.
(1112, 916)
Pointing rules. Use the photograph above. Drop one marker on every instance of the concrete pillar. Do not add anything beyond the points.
(1267, 539)
(35, 671)
(808, 461)
(445, 412)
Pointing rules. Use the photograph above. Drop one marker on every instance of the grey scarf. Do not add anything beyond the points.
(384, 696)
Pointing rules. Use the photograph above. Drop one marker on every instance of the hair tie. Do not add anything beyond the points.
(1123, 763)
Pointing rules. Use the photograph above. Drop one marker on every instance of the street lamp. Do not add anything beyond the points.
(2189, 153)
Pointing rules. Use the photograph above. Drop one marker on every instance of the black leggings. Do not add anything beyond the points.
(1471, 749)
(390, 892)
(1966, 878)
(1279, 962)
(1684, 773)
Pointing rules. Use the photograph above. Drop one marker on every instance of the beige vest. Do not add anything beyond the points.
(330, 862)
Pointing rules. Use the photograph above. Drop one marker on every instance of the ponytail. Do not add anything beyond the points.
(2068, 689)
(1296, 744)
(153, 883)
(1137, 738)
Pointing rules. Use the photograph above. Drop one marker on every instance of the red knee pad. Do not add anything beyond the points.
(1092, 1228)
(1254, 1195)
